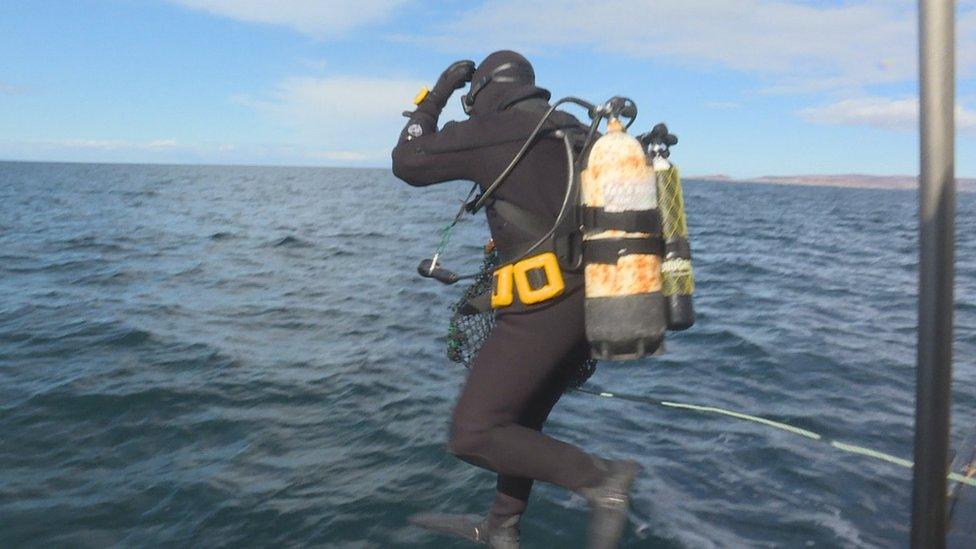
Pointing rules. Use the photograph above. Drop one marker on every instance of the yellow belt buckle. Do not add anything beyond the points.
(554, 278)
(501, 288)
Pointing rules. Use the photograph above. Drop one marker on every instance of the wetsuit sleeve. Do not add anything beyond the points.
(425, 155)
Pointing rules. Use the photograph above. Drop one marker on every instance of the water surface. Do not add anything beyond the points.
(225, 356)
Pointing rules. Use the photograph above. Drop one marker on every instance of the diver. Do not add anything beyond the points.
(537, 344)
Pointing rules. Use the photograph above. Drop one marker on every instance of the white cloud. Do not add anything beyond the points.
(318, 18)
(11, 89)
(796, 46)
(336, 100)
(337, 120)
(171, 151)
(344, 115)
(111, 144)
(880, 112)
(722, 105)
(340, 156)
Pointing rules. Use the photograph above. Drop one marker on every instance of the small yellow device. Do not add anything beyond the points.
(520, 274)
(421, 95)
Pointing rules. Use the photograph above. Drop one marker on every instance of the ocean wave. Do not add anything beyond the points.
(292, 241)
(183, 384)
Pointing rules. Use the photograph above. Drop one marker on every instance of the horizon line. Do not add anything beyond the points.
(711, 176)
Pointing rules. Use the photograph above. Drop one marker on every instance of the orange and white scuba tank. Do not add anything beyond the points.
(625, 309)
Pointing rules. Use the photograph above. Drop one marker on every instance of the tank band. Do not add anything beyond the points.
(632, 221)
(678, 247)
(609, 250)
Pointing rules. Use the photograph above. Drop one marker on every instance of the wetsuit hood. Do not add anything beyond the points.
(500, 93)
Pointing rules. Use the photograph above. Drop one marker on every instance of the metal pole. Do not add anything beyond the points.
(935, 301)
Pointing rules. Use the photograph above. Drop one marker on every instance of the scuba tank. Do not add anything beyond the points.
(678, 278)
(610, 225)
(624, 306)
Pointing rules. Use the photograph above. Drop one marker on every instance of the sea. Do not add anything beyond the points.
(212, 356)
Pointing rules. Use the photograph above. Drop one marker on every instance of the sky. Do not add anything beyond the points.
(751, 87)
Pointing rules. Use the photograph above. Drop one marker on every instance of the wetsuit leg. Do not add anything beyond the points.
(511, 372)
(512, 494)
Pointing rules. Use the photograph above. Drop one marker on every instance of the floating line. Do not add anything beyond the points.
(872, 454)
(842, 446)
(747, 417)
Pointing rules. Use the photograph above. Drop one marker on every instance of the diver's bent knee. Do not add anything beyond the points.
(466, 442)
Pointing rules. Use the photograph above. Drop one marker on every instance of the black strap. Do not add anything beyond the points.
(567, 248)
(477, 304)
(530, 223)
(517, 251)
(631, 221)
(609, 250)
(678, 247)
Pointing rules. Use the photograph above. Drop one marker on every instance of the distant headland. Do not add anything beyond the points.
(858, 181)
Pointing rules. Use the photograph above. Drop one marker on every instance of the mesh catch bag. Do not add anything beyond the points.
(469, 328)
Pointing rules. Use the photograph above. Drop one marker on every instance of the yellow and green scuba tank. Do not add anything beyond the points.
(677, 276)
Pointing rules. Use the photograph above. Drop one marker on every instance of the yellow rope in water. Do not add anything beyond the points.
(747, 417)
(844, 447)
(871, 453)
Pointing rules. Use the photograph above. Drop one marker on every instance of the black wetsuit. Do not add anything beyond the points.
(526, 364)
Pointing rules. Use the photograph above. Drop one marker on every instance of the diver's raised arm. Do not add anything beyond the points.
(423, 155)
(430, 103)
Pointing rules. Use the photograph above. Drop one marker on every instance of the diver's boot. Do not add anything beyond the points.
(471, 528)
(609, 502)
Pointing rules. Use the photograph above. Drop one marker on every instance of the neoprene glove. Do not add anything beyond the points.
(454, 77)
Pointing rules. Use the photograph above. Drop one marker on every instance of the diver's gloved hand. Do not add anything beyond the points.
(454, 77)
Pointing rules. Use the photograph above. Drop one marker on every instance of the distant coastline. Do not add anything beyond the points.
(854, 181)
